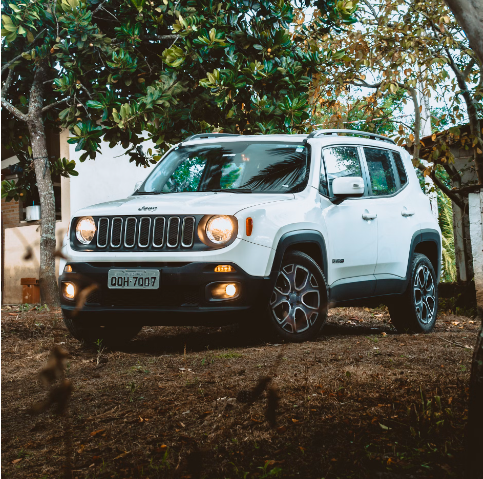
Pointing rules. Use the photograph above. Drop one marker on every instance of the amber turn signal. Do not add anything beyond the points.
(249, 226)
(224, 268)
(68, 268)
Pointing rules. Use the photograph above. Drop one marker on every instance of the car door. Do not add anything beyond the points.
(396, 218)
(351, 229)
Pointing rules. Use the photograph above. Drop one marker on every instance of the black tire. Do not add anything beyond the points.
(295, 315)
(109, 336)
(415, 311)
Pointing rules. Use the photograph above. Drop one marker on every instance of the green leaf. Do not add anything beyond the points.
(94, 104)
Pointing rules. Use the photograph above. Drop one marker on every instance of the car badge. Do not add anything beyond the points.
(148, 208)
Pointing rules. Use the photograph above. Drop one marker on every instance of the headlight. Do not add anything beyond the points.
(220, 229)
(85, 229)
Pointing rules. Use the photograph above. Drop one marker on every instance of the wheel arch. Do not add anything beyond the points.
(427, 242)
(310, 242)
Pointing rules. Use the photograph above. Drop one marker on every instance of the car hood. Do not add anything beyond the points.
(183, 203)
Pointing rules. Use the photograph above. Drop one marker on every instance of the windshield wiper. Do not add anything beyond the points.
(148, 193)
(231, 190)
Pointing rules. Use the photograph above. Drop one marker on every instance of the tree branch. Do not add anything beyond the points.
(18, 57)
(14, 111)
(166, 37)
(469, 67)
(8, 83)
(99, 7)
(449, 193)
(53, 105)
(417, 123)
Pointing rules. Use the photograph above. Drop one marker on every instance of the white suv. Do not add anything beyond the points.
(229, 226)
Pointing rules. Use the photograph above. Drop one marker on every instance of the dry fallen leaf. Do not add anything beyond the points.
(15, 461)
(95, 433)
(125, 453)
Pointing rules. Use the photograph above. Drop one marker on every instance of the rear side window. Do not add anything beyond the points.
(400, 168)
(338, 161)
(381, 172)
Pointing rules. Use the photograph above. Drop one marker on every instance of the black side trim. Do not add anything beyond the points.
(299, 237)
(353, 288)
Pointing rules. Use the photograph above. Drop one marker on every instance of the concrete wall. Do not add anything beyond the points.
(109, 177)
(476, 229)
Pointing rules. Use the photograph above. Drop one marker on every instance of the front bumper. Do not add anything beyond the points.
(182, 297)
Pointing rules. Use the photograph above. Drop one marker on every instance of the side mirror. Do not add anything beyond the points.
(137, 186)
(348, 186)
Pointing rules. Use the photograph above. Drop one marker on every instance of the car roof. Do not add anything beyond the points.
(316, 134)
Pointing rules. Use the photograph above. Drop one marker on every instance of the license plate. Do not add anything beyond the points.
(133, 279)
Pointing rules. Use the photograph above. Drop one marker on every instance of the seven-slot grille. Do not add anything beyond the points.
(146, 231)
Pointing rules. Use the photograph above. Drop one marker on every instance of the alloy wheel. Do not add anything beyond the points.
(295, 301)
(424, 294)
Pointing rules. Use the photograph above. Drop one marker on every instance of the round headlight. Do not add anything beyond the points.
(220, 229)
(85, 229)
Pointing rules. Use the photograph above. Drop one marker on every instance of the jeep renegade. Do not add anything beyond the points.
(268, 230)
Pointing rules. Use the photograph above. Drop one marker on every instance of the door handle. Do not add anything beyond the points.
(368, 216)
(405, 212)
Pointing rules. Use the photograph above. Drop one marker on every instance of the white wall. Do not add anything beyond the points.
(109, 177)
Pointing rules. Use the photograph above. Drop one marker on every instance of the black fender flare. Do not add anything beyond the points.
(423, 236)
(298, 237)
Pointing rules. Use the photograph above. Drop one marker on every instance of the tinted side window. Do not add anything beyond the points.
(381, 172)
(400, 168)
(338, 161)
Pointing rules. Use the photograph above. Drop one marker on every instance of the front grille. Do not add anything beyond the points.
(165, 296)
(116, 232)
(103, 230)
(149, 233)
(188, 230)
(158, 232)
(130, 232)
(94, 297)
(144, 228)
(173, 232)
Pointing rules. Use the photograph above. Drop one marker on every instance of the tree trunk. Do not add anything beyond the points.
(474, 428)
(47, 278)
(469, 14)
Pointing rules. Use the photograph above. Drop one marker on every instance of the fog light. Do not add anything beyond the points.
(224, 268)
(68, 268)
(68, 290)
(230, 290)
(219, 291)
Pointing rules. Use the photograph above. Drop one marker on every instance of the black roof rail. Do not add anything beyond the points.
(372, 136)
(202, 136)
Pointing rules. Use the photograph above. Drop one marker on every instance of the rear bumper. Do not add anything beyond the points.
(182, 297)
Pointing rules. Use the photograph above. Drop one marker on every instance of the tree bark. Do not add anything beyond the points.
(47, 278)
(469, 14)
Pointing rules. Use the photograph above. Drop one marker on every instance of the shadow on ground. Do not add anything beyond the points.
(159, 340)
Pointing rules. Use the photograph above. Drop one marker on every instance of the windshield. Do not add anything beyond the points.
(262, 167)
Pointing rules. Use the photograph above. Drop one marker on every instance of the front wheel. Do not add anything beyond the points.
(110, 336)
(415, 311)
(298, 305)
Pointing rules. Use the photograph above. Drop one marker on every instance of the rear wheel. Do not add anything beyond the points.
(110, 336)
(298, 305)
(415, 311)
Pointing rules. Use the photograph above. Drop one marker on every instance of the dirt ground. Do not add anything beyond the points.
(193, 402)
